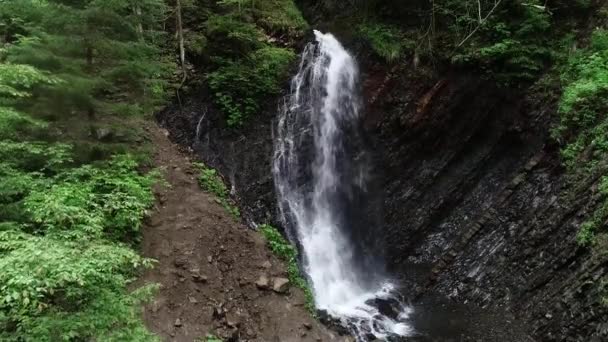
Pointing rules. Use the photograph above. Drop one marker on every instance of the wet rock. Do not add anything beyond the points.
(263, 283)
(280, 285)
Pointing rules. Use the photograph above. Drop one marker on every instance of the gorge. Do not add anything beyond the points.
(467, 204)
(304, 170)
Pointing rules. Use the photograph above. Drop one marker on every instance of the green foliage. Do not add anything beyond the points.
(212, 182)
(64, 272)
(90, 203)
(55, 290)
(512, 46)
(93, 51)
(589, 229)
(212, 338)
(67, 230)
(582, 129)
(583, 125)
(279, 16)
(387, 41)
(240, 86)
(286, 252)
(241, 46)
(231, 36)
(17, 80)
(14, 124)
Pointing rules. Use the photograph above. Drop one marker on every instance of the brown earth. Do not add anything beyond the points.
(208, 265)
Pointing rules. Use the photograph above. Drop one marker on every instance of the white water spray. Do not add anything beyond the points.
(323, 100)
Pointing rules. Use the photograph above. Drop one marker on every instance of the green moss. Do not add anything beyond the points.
(212, 182)
(286, 252)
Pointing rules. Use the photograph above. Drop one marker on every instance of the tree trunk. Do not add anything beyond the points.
(140, 25)
(180, 37)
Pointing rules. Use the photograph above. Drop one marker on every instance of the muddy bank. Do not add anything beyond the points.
(208, 267)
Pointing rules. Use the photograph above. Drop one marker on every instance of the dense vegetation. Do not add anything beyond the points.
(70, 206)
(241, 48)
(583, 122)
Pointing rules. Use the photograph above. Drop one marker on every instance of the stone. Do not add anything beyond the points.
(263, 283)
(233, 320)
(280, 285)
(209, 259)
(199, 278)
(266, 264)
(307, 325)
(103, 134)
(180, 262)
(178, 323)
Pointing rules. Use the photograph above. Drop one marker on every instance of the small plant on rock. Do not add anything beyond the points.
(288, 253)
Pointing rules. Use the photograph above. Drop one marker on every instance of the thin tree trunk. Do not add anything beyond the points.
(182, 51)
(180, 37)
(140, 25)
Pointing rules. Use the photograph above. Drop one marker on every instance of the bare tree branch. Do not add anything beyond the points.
(481, 21)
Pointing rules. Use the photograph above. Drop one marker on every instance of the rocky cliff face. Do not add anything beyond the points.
(475, 204)
(474, 191)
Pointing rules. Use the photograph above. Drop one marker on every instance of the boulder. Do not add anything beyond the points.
(263, 283)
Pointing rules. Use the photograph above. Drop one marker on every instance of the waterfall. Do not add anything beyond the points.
(315, 171)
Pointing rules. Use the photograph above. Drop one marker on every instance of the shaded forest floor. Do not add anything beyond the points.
(208, 267)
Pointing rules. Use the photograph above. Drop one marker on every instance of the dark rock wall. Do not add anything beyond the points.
(475, 192)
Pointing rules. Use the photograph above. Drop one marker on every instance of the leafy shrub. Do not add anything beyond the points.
(280, 16)
(212, 338)
(54, 290)
(35, 156)
(386, 41)
(212, 182)
(511, 46)
(286, 252)
(64, 270)
(230, 36)
(589, 228)
(583, 124)
(14, 124)
(89, 202)
(240, 86)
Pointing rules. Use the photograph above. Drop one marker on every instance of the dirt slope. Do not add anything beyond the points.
(208, 265)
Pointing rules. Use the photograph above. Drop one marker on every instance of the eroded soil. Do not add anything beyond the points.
(208, 265)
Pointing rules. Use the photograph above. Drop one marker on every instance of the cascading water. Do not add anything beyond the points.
(314, 170)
